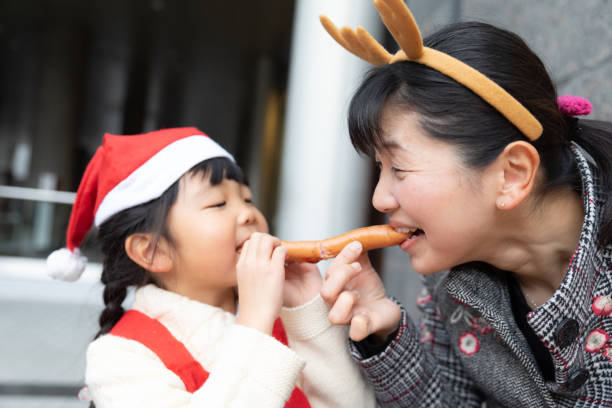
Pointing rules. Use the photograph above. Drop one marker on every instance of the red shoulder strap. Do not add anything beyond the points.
(298, 398)
(135, 325)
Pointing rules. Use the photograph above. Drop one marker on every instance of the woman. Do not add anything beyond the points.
(507, 194)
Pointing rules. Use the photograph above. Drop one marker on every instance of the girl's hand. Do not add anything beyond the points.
(260, 272)
(302, 283)
(357, 296)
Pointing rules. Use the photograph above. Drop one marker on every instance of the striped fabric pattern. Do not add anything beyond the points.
(468, 351)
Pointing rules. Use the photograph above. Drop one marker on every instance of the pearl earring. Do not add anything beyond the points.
(502, 203)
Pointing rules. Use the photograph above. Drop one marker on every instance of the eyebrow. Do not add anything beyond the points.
(391, 145)
(201, 190)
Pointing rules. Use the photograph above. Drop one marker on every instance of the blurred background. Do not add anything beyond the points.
(260, 77)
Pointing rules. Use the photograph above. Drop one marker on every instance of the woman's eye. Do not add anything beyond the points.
(248, 200)
(220, 204)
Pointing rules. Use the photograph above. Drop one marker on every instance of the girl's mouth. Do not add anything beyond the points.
(239, 248)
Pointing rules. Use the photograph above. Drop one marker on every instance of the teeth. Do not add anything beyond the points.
(406, 230)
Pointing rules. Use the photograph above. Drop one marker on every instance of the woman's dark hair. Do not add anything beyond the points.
(119, 272)
(452, 113)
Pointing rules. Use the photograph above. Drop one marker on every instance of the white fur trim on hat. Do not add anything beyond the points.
(151, 179)
(66, 265)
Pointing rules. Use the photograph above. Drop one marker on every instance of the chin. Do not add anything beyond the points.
(422, 268)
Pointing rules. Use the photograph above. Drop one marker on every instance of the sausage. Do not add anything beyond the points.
(376, 236)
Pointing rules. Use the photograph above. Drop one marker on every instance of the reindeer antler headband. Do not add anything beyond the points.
(400, 22)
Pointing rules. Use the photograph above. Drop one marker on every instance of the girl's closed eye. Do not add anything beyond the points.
(215, 204)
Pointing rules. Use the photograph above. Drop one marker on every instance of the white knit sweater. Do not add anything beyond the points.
(247, 368)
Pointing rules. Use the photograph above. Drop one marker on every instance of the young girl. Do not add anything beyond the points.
(175, 219)
(508, 196)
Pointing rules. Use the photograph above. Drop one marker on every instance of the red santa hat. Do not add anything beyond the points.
(127, 170)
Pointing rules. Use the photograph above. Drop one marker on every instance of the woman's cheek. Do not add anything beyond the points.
(407, 194)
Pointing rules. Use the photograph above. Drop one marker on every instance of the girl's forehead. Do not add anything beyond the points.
(195, 184)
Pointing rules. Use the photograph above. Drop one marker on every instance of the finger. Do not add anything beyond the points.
(360, 327)
(278, 258)
(250, 245)
(335, 270)
(252, 255)
(266, 243)
(337, 279)
(243, 253)
(384, 318)
(349, 253)
(341, 311)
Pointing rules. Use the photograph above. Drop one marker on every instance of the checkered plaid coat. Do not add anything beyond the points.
(468, 349)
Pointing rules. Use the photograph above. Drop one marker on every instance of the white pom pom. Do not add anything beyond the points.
(65, 265)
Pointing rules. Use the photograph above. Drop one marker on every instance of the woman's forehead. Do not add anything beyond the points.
(401, 136)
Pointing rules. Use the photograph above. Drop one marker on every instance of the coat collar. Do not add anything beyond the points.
(484, 288)
(574, 297)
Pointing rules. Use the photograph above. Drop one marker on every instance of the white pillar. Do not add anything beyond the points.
(324, 185)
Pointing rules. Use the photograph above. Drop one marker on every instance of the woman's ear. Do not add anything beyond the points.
(519, 162)
(153, 256)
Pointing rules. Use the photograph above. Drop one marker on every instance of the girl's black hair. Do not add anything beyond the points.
(119, 272)
(454, 114)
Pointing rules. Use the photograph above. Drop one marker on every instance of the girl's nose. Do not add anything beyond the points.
(382, 199)
(247, 214)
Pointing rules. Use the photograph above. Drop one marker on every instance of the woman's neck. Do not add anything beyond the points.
(537, 243)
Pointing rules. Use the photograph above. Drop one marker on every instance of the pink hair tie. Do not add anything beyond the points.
(571, 105)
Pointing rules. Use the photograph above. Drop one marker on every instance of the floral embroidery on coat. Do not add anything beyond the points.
(462, 313)
(424, 297)
(608, 353)
(481, 325)
(602, 305)
(426, 336)
(596, 340)
(468, 343)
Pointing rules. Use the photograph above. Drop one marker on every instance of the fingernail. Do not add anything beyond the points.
(356, 266)
(355, 246)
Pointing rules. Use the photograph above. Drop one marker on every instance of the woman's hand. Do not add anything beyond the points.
(260, 272)
(357, 296)
(302, 283)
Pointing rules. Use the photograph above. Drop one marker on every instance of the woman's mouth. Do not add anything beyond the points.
(406, 230)
(413, 231)
(416, 234)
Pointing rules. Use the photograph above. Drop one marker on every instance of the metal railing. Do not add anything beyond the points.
(37, 194)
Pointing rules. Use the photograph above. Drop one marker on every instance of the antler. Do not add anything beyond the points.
(360, 43)
(400, 22)
(402, 25)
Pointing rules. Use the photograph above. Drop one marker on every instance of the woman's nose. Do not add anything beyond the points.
(382, 199)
